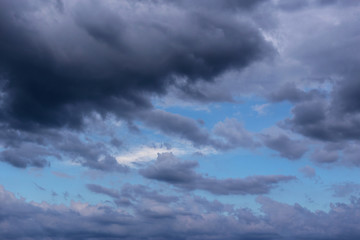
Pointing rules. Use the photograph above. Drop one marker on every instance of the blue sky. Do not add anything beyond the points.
(179, 119)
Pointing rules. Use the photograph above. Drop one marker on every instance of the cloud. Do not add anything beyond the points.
(167, 168)
(102, 190)
(325, 155)
(225, 135)
(62, 175)
(107, 68)
(25, 149)
(308, 171)
(111, 61)
(234, 134)
(288, 148)
(260, 109)
(345, 189)
(175, 124)
(144, 154)
(26, 155)
(332, 116)
(289, 92)
(191, 218)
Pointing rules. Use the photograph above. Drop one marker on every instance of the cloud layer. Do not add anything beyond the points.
(191, 218)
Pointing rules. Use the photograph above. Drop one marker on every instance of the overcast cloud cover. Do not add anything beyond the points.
(179, 119)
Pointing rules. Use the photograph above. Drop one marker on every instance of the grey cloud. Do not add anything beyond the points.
(25, 149)
(202, 92)
(167, 168)
(325, 156)
(88, 153)
(27, 155)
(192, 218)
(351, 155)
(39, 187)
(235, 134)
(311, 225)
(102, 190)
(323, 122)
(344, 3)
(131, 194)
(178, 125)
(225, 4)
(228, 134)
(292, 5)
(289, 92)
(139, 191)
(345, 189)
(334, 118)
(308, 171)
(62, 175)
(287, 148)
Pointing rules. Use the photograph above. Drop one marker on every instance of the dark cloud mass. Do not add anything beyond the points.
(93, 57)
(167, 168)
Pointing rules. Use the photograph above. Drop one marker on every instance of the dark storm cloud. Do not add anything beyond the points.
(191, 218)
(287, 148)
(97, 56)
(167, 168)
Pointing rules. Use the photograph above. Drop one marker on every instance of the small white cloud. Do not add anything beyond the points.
(145, 154)
(260, 108)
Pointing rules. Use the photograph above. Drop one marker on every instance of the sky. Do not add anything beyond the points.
(180, 119)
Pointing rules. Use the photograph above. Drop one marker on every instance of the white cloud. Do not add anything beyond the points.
(145, 154)
(260, 108)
